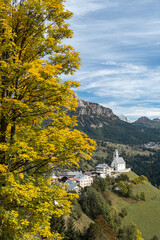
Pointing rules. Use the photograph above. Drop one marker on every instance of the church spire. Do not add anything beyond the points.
(115, 154)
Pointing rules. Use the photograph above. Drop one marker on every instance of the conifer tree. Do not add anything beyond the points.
(32, 59)
(71, 233)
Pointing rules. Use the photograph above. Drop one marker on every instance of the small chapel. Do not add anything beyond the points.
(118, 163)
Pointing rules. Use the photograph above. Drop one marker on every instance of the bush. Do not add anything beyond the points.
(100, 230)
(155, 238)
(101, 183)
(124, 189)
(144, 178)
(123, 177)
(129, 232)
(142, 196)
(137, 180)
(123, 212)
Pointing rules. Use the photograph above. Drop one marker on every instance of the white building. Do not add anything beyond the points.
(118, 163)
(84, 180)
(103, 170)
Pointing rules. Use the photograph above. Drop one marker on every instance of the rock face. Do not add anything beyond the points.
(93, 109)
(124, 118)
(143, 120)
(101, 123)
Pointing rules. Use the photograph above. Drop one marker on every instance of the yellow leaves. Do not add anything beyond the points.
(138, 235)
(24, 222)
(3, 168)
(21, 175)
(34, 104)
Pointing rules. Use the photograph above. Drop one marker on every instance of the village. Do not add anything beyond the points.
(77, 180)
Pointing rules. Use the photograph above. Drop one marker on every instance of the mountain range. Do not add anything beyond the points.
(101, 123)
(145, 121)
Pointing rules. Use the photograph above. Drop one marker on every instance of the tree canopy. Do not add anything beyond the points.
(32, 59)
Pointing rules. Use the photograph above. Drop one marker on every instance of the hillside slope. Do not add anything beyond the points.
(146, 214)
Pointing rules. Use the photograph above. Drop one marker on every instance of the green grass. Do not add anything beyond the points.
(146, 214)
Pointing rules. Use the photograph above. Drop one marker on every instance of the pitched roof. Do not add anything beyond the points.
(120, 160)
(81, 176)
(71, 185)
(73, 173)
(104, 165)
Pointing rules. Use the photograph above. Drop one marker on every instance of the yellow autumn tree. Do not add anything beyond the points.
(36, 134)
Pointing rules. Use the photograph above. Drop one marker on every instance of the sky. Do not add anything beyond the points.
(119, 45)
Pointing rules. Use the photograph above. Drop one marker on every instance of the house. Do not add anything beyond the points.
(92, 174)
(72, 186)
(79, 181)
(70, 174)
(118, 164)
(103, 170)
(84, 180)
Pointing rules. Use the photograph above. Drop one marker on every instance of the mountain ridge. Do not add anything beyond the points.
(100, 123)
(147, 122)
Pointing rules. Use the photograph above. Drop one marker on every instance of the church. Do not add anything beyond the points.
(118, 164)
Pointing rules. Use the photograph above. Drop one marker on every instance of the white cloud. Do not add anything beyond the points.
(119, 45)
(83, 7)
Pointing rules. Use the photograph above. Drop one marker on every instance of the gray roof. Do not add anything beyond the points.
(71, 185)
(80, 176)
(73, 173)
(102, 165)
(70, 173)
(120, 160)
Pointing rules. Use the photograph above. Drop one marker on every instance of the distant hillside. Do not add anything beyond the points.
(144, 121)
(102, 124)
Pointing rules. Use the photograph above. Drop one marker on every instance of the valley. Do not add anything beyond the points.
(137, 142)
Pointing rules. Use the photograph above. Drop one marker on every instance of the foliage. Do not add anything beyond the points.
(32, 58)
(140, 179)
(144, 178)
(154, 238)
(129, 232)
(58, 224)
(123, 212)
(93, 204)
(76, 210)
(123, 177)
(101, 183)
(142, 196)
(70, 233)
(124, 189)
(100, 230)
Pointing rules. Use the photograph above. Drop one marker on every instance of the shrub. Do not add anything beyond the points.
(123, 212)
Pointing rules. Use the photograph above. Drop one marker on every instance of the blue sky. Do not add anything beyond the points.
(119, 45)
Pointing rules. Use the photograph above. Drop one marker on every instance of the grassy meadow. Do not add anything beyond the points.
(146, 214)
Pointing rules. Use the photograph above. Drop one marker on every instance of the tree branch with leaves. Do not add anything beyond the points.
(32, 59)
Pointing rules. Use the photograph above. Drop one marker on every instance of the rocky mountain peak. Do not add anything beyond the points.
(143, 120)
(80, 101)
(92, 109)
(125, 119)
